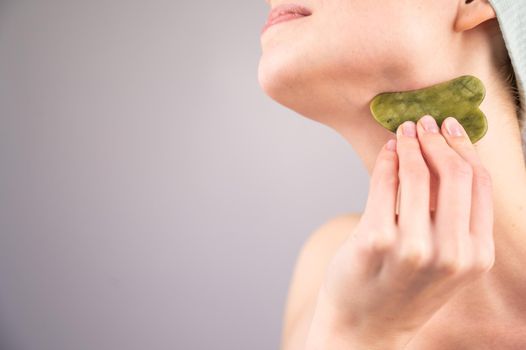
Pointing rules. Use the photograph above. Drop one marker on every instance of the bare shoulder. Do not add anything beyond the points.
(331, 234)
(311, 263)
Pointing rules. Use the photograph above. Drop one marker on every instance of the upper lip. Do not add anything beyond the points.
(288, 8)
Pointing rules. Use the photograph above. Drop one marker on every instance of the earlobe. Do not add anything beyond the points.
(471, 13)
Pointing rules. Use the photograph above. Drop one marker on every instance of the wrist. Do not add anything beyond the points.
(329, 329)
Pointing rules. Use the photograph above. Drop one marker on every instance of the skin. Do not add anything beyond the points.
(328, 67)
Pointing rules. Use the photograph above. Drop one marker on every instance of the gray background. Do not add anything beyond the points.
(151, 195)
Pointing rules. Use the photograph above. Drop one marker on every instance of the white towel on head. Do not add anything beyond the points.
(511, 15)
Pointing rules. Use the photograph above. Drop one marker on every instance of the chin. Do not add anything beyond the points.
(291, 88)
(276, 78)
(284, 85)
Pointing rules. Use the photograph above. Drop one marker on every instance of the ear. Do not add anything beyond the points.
(471, 13)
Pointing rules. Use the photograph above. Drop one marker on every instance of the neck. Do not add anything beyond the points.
(500, 150)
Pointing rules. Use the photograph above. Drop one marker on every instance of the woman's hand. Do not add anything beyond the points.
(394, 272)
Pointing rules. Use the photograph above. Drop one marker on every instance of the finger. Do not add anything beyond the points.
(381, 201)
(415, 241)
(481, 218)
(379, 213)
(452, 216)
(414, 180)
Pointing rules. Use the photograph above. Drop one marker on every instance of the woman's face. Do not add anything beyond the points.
(349, 50)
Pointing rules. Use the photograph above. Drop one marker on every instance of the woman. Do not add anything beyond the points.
(444, 270)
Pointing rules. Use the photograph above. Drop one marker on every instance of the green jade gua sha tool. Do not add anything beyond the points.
(459, 98)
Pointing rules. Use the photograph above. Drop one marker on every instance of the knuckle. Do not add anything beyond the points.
(415, 257)
(380, 244)
(483, 177)
(412, 150)
(456, 167)
(459, 142)
(384, 173)
(384, 177)
(448, 266)
(484, 263)
(383, 163)
(386, 157)
(481, 268)
(415, 170)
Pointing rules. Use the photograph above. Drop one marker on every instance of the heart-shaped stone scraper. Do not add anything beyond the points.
(459, 98)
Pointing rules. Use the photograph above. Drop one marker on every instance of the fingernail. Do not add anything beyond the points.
(453, 127)
(409, 128)
(430, 124)
(391, 145)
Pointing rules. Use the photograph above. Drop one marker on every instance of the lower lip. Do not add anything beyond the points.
(283, 18)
